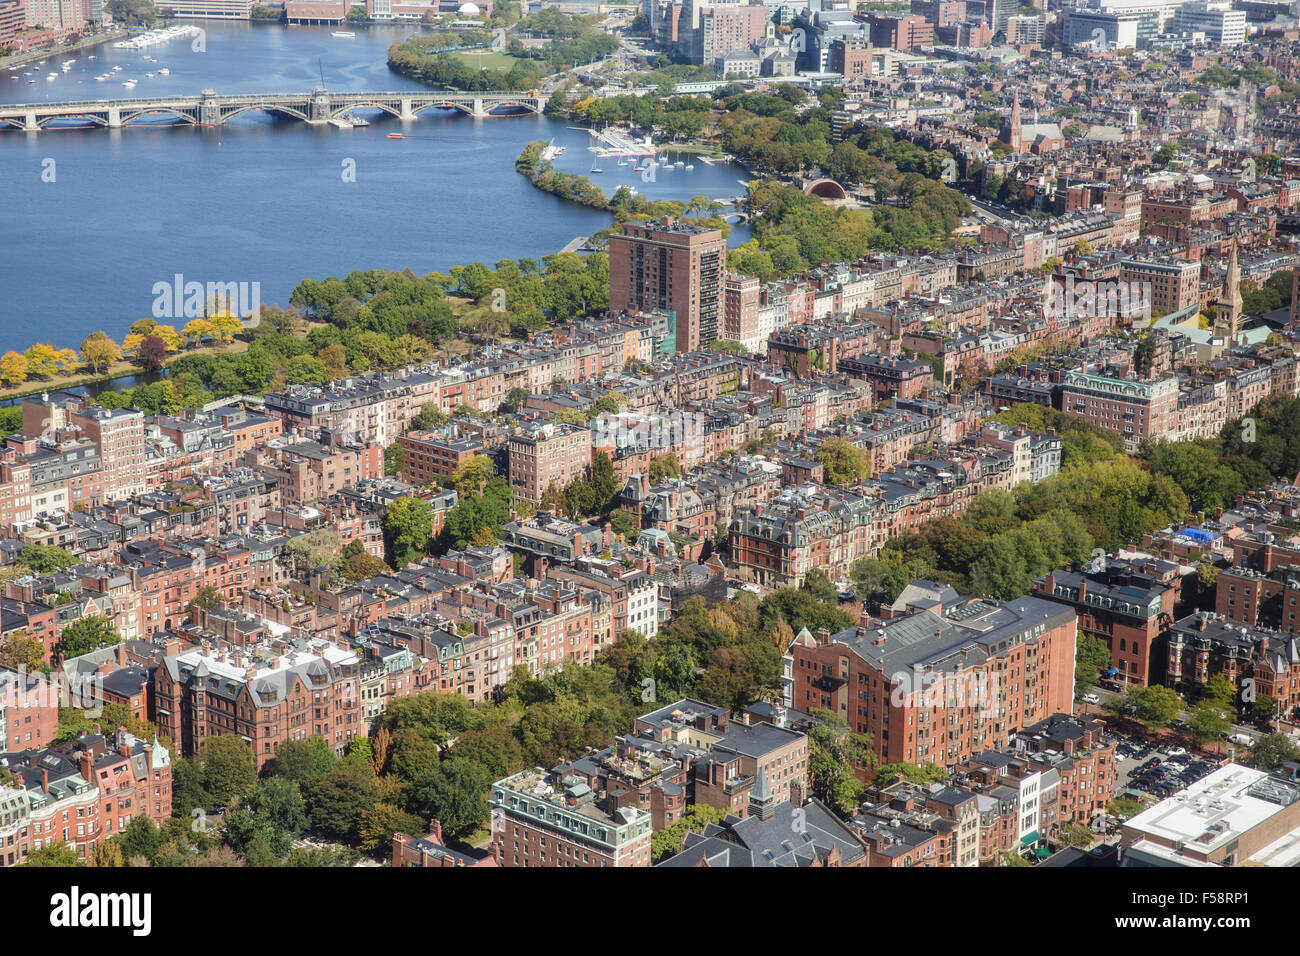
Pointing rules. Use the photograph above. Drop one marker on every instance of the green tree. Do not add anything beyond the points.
(1091, 657)
(842, 462)
(1076, 834)
(106, 854)
(19, 650)
(54, 854)
(305, 762)
(140, 838)
(1219, 691)
(435, 716)
(800, 608)
(1155, 706)
(429, 416)
(408, 525)
(516, 399)
(664, 466)
(87, 634)
(226, 768)
(1265, 708)
(395, 459)
(1208, 720)
(834, 753)
(728, 680)
(1271, 750)
(454, 792)
(380, 822)
(363, 567)
(342, 798)
(44, 558)
(207, 597)
(472, 475)
(884, 578)
(625, 522)
(492, 748)
(912, 773)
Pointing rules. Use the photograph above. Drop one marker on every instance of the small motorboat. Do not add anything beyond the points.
(393, 135)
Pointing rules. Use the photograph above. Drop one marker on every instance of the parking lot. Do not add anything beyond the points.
(1143, 767)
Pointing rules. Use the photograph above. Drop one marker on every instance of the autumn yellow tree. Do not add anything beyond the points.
(196, 330)
(335, 359)
(99, 351)
(42, 359)
(13, 368)
(411, 349)
(131, 344)
(171, 338)
(225, 327)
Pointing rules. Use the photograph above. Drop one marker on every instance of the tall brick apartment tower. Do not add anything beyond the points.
(671, 265)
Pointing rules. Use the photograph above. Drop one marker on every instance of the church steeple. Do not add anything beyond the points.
(1227, 313)
(1011, 135)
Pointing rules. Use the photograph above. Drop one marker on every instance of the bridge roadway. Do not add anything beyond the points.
(210, 108)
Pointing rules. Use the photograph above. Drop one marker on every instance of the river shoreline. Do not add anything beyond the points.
(12, 397)
(262, 199)
(35, 56)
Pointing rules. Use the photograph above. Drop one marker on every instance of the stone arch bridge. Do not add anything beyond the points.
(210, 108)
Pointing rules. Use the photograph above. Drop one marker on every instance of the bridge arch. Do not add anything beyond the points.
(388, 108)
(228, 114)
(825, 189)
(464, 107)
(136, 114)
(95, 118)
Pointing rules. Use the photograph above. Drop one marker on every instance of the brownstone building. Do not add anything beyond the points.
(202, 693)
(545, 455)
(544, 819)
(1204, 644)
(1259, 599)
(943, 678)
(1121, 606)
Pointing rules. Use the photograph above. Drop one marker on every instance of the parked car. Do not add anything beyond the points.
(1244, 740)
(1176, 752)
(1091, 699)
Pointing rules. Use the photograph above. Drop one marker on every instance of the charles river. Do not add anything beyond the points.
(263, 198)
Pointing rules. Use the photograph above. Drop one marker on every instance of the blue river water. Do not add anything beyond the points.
(93, 218)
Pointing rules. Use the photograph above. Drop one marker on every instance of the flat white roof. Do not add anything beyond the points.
(1284, 851)
(1211, 812)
